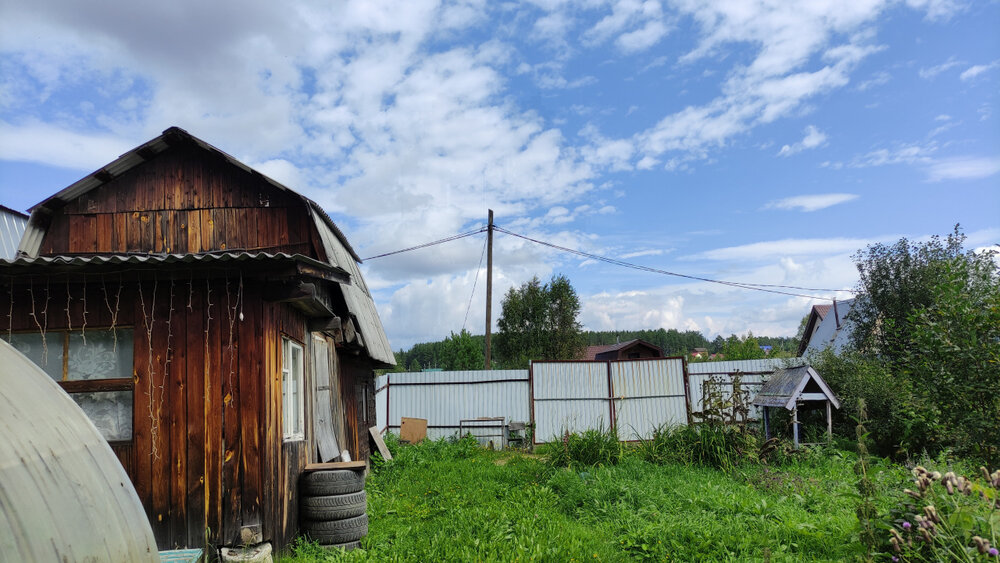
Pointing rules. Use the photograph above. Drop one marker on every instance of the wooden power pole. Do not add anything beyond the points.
(489, 286)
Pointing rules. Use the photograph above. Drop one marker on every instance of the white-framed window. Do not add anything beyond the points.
(292, 387)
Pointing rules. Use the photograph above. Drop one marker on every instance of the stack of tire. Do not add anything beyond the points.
(333, 507)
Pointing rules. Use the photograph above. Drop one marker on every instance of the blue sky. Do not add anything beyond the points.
(760, 142)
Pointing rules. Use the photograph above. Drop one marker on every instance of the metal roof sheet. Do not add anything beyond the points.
(74, 262)
(12, 224)
(785, 387)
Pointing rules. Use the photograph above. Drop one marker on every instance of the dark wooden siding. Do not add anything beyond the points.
(206, 455)
(184, 200)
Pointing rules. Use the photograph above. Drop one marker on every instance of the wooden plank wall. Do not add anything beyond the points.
(207, 456)
(184, 200)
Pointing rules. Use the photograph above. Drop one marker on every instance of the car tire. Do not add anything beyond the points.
(332, 482)
(333, 507)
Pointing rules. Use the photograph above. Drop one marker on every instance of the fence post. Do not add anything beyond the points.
(531, 402)
(687, 389)
(611, 400)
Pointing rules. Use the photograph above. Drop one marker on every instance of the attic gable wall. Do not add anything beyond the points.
(184, 200)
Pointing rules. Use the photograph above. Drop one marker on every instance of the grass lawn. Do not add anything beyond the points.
(454, 502)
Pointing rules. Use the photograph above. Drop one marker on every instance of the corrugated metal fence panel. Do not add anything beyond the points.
(757, 371)
(381, 396)
(648, 394)
(729, 366)
(570, 396)
(444, 398)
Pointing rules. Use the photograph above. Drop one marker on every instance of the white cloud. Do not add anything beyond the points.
(976, 70)
(813, 138)
(963, 168)
(636, 25)
(652, 252)
(931, 72)
(811, 202)
(44, 143)
(784, 248)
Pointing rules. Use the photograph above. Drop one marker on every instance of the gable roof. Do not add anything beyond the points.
(593, 351)
(786, 387)
(340, 256)
(173, 136)
(834, 330)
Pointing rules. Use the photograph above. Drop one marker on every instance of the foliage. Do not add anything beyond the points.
(947, 517)
(953, 360)
(718, 446)
(866, 511)
(462, 352)
(926, 328)
(742, 348)
(899, 280)
(539, 322)
(592, 447)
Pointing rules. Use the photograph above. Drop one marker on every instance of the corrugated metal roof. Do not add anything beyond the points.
(74, 262)
(359, 300)
(786, 386)
(12, 224)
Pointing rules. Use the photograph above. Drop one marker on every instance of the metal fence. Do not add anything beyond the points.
(704, 375)
(446, 398)
(635, 396)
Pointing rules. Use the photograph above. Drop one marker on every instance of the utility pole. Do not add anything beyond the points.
(489, 286)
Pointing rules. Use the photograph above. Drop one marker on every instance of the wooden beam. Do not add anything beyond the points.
(355, 465)
(338, 276)
(325, 324)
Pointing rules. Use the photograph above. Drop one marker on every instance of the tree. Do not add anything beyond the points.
(927, 330)
(746, 348)
(539, 322)
(462, 352)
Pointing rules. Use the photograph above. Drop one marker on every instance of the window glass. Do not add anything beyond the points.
(47, 355)
(110, 411)
(291, 390)
(96, 356)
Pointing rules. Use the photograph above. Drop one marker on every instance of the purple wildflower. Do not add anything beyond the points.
(906, 525)
(993, 551)
(894, 558)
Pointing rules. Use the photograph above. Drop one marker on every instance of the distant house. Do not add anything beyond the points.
(12, 224)
(632, 350)
(699, 353)
(212, 323)
(828, 326)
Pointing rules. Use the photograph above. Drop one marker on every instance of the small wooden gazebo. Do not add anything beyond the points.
(790, 387)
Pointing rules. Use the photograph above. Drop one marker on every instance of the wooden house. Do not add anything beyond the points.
(212, 323)
(636, 349)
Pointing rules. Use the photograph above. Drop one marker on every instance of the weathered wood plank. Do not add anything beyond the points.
(194, 339)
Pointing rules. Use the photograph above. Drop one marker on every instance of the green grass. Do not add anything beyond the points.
(454, 502)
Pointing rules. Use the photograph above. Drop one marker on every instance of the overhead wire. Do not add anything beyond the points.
(428, 244)
(765, 287)
(474, 283)
(756, 287)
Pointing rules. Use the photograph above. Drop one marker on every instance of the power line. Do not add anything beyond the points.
(427, 244)
(474, 283)
(751, 286)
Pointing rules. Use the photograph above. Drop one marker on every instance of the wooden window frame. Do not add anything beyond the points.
(298, 432)
(73, 386)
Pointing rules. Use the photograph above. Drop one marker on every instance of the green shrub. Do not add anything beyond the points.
(947, 517)
(711, 445)
(592, 447)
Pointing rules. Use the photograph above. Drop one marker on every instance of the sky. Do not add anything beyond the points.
(752, 141)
